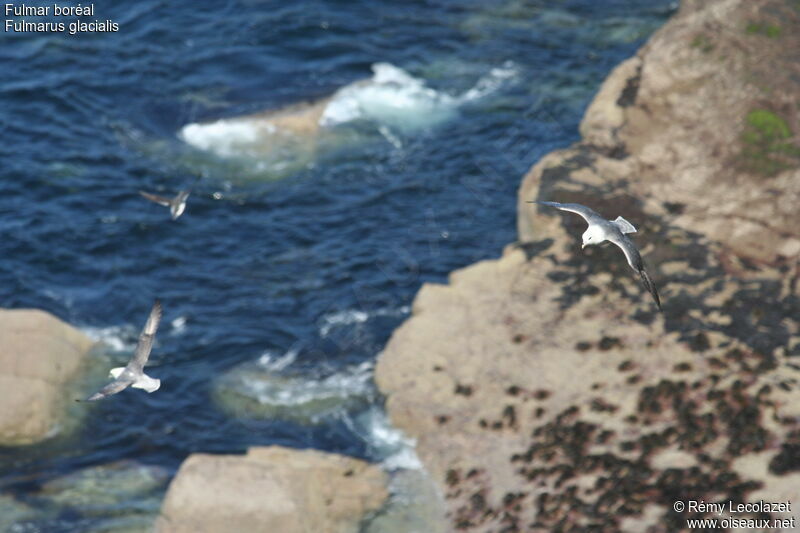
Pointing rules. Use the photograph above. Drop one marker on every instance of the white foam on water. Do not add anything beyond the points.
(272, 362)
(24, 527)
(392, 97)
(267, 389)
(393, 139)
(341, 318)
(227, 137)
(349, 317)
(491, 82)
(393, 100)
(178, 325)
(118, 338)
(302, 390)
(387, 444)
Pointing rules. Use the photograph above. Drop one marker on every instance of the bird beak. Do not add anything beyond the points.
(583, 245)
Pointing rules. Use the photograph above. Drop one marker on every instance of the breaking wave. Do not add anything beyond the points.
(395, 98)
(385, 443)
(349, 317)
(392, 100)
(268, 389)
(117, 338)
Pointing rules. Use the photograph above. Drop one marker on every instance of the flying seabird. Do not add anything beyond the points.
(600, 230)
(133, 374)
(176, 205)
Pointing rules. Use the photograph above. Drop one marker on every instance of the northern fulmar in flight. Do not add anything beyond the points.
(176, 204)
(133, 374)
(600, 230)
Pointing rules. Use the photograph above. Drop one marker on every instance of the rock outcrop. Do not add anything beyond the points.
(546, 392)
(700, 128)
(544, 389)
(272, 489)
(39, 356)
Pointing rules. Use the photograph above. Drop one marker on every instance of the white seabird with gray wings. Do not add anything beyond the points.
(176, 204)
(600, 230)
(133, 374)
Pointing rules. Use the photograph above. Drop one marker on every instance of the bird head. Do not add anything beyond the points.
(591, 236)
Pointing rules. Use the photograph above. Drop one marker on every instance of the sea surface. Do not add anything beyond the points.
(285, 277)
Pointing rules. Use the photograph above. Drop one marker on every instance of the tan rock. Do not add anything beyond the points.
(39, 355)
(544, 390)
(272, 489)
(700, 126)
(541, 390)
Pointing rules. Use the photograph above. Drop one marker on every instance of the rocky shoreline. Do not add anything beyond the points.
(544, 390)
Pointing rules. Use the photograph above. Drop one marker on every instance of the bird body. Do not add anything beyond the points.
(132, 375)
(142, 381)
(614, 231)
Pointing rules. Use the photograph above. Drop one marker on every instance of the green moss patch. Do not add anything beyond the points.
(702, 43)
(766, 149)
(773, 31)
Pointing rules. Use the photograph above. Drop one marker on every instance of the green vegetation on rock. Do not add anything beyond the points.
(772, 31)
(766, 148)
(702, 43)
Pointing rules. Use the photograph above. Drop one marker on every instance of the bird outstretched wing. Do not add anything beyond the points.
(589, 215)
(146, 338)
(112, 388)
(160, 200)
(636, 263)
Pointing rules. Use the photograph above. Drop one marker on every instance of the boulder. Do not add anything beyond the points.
(39, 356)
(272, 489)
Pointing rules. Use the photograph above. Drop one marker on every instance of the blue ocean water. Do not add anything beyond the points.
(260, 262)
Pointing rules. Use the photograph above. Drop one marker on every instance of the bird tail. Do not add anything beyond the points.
(147, 383)
(650, 286)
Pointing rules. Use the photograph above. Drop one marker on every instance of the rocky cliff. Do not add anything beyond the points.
(545, 390)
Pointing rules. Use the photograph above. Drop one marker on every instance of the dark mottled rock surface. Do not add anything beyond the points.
(545, 390)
